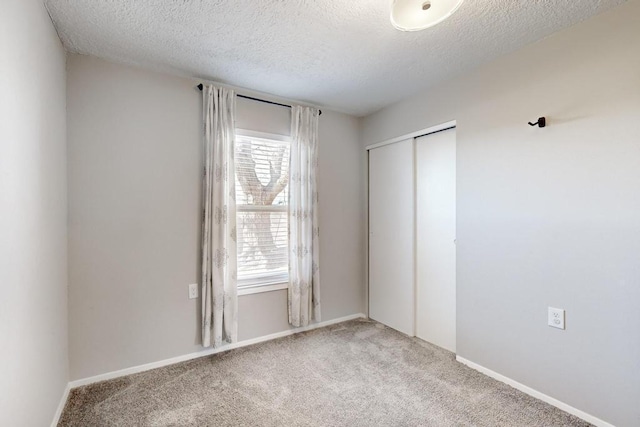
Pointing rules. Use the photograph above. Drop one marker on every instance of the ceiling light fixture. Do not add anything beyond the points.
(415, 15)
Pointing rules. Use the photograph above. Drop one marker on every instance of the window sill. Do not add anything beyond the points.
(262, 288)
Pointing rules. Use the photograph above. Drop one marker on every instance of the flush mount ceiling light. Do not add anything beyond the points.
(414, 15)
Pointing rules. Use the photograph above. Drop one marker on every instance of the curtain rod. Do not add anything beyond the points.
(200, 87)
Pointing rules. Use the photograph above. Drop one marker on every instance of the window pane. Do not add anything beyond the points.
(262, 172)
(262, 178)
(262, 244)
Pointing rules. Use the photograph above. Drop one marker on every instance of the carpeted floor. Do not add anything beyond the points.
(357, 373)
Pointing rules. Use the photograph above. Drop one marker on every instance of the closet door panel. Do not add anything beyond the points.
(391, 236)
(435, 239)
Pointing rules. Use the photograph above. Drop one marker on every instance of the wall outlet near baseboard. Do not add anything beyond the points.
(193, 291)
(556, 318)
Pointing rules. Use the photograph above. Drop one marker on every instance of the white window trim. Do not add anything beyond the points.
(269, 279)
(279, 281)
(258, 289)
(262, 135)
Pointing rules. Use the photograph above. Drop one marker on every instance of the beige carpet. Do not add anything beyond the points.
(357, 373)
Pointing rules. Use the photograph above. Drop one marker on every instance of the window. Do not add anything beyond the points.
(262, 183)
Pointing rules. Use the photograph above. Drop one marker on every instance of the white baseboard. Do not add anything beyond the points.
(63, 401)
(534, 393)
(207, 352)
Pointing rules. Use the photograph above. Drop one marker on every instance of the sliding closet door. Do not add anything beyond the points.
(391, 236)
(435, 239)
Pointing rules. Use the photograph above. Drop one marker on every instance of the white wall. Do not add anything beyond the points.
(135, 167)
(548, 217)
(33, 216)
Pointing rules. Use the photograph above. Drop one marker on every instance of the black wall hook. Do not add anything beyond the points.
(542, 122)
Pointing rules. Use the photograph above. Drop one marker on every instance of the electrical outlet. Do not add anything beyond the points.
(193, 291)
(556, 318)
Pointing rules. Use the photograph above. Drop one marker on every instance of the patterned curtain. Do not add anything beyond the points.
(219, 258)
(304, 270)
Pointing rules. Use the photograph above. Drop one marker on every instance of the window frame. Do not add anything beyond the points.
(273, 282)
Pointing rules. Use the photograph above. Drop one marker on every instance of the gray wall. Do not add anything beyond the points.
(135, 168)
(33, 216)
(548, 217)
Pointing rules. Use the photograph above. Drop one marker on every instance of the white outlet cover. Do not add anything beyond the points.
(556, 318)
(193, 291)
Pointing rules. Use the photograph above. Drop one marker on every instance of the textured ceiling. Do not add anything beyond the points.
(343, 55)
